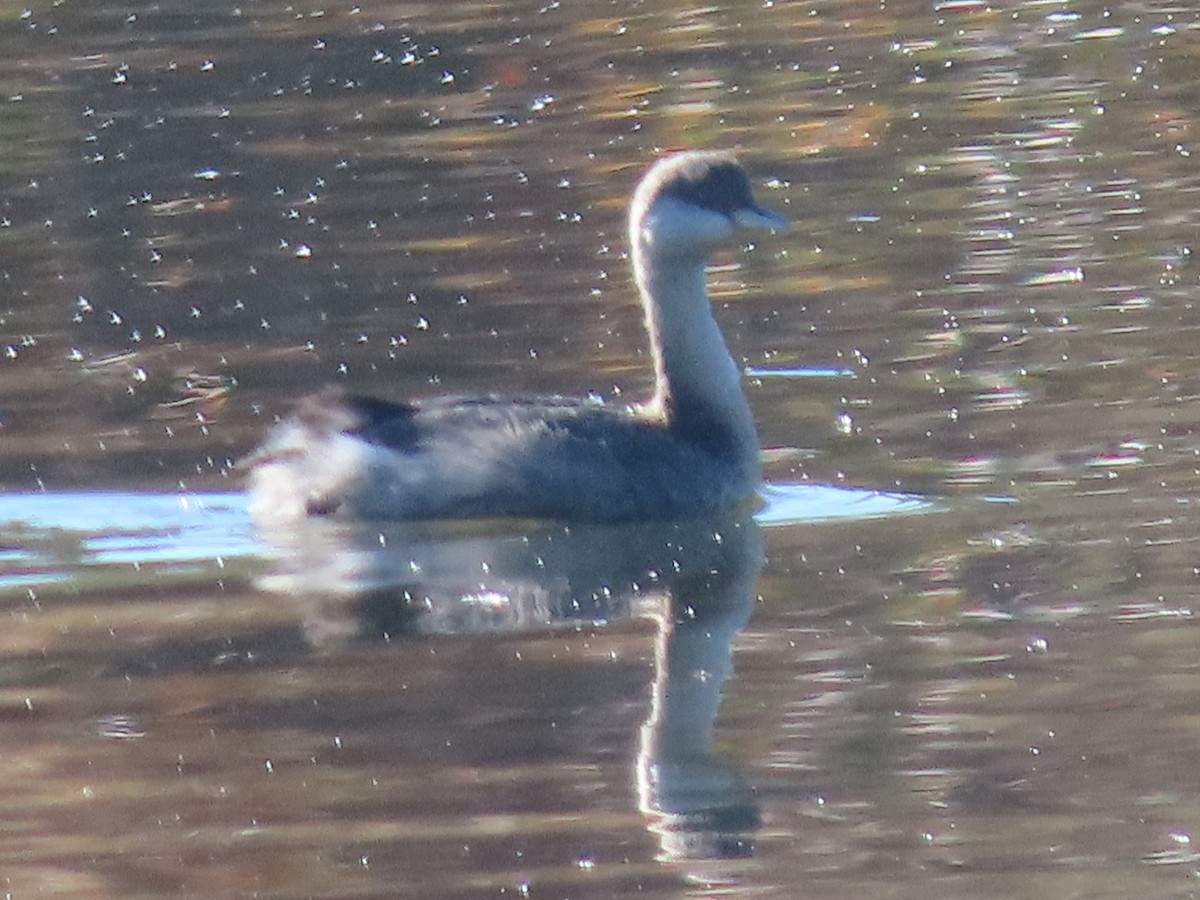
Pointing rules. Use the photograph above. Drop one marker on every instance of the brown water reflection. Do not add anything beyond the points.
(987, 298)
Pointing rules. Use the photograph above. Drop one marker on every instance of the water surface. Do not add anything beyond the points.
(952, 653)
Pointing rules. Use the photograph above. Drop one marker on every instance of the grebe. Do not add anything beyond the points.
(690, 450)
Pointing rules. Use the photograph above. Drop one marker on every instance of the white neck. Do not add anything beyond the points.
(697, 385)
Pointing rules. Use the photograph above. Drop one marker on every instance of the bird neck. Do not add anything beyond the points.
(697, 384)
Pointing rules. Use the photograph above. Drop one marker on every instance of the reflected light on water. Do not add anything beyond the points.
(54, 537)
(110, 529)
(995, 223)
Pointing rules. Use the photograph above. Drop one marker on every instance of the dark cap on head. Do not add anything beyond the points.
(706, 179)
(713, 182)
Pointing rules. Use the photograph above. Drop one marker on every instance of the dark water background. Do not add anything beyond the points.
(986, 300)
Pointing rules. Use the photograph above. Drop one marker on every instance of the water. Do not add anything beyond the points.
(952, 653)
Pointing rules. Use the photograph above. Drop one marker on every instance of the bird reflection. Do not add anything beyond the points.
(695, 579)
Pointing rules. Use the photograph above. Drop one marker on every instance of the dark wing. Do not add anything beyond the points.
(382, 422)
(403, 426)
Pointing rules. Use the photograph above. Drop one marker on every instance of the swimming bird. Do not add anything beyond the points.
(690, 450)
